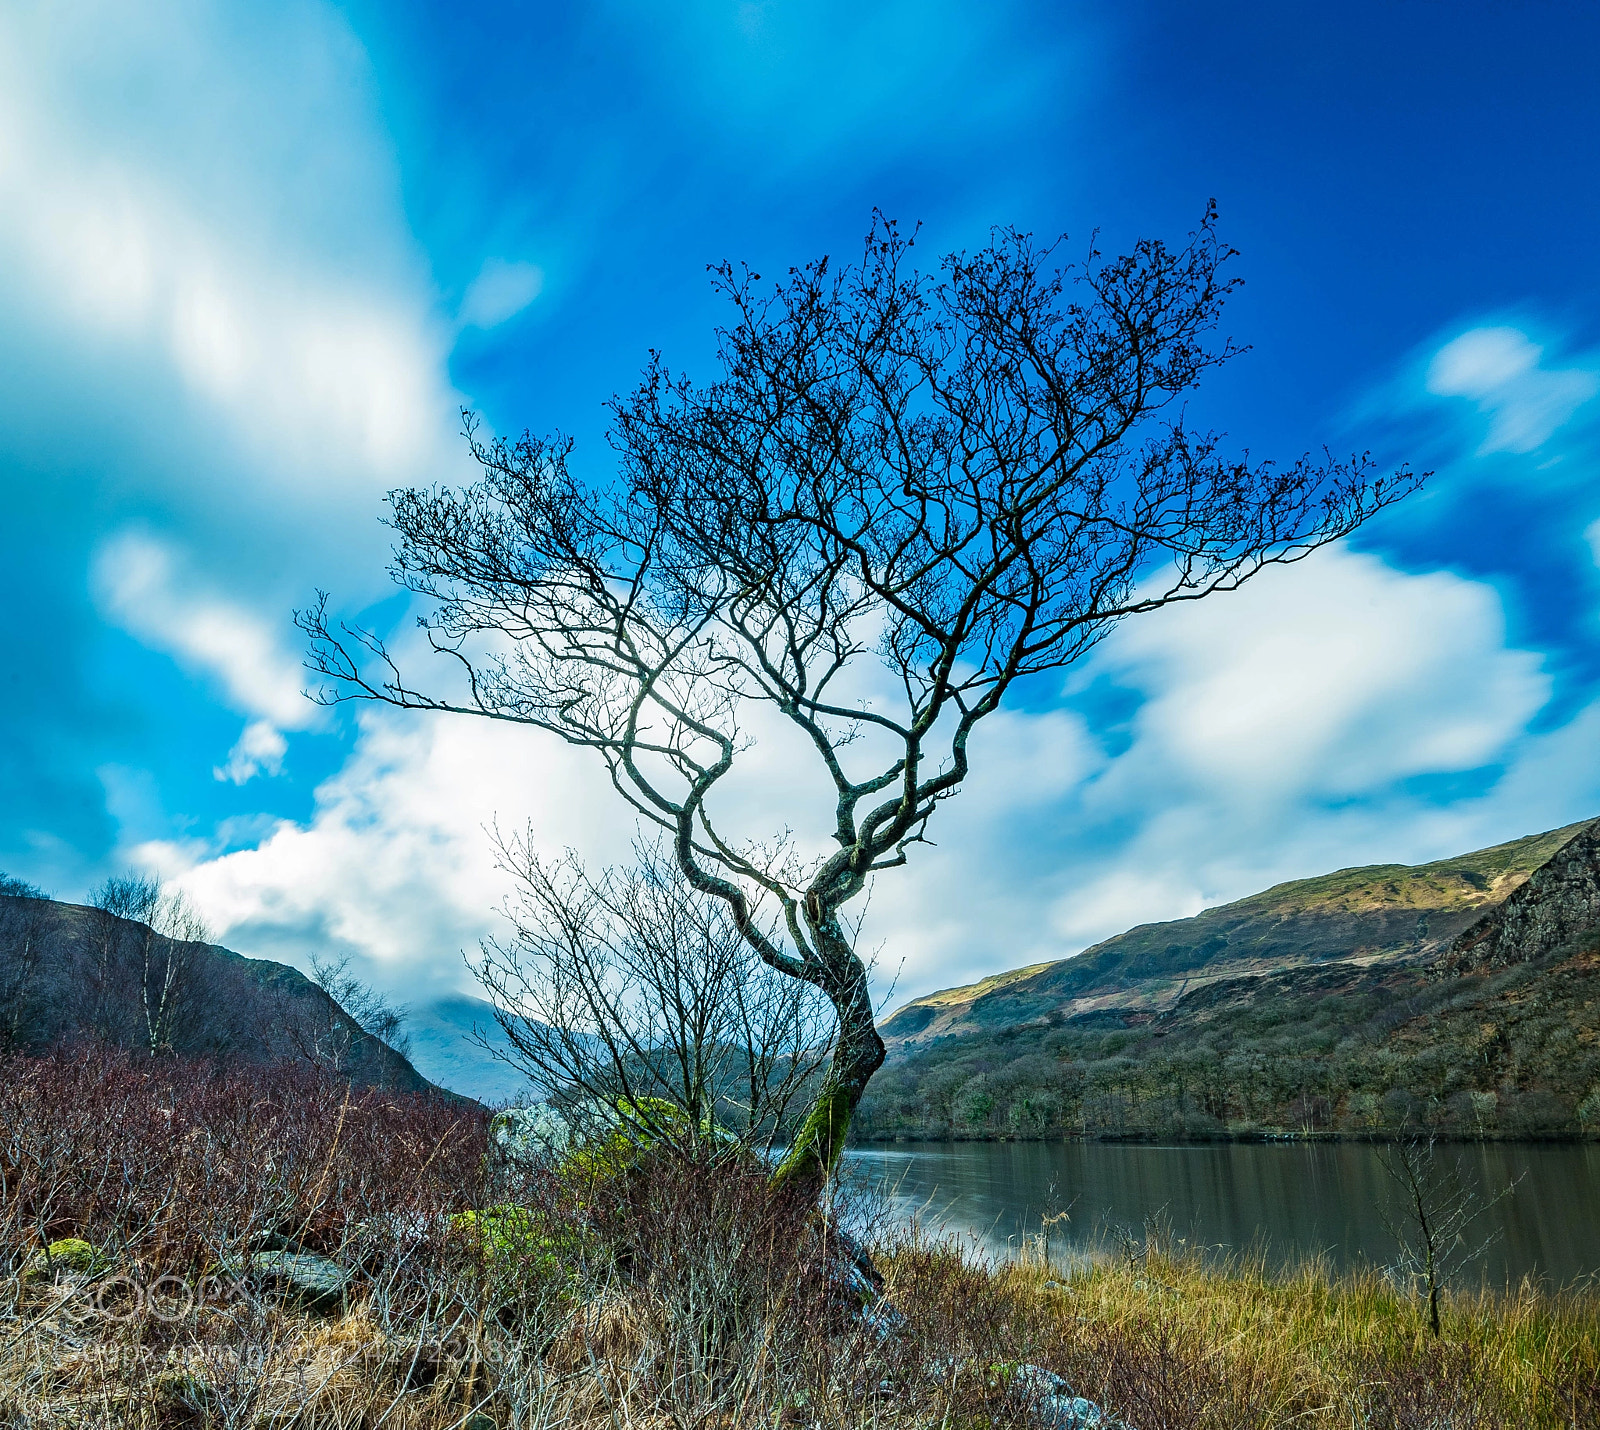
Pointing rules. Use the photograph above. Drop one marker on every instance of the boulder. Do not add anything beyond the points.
(70, 1253)
(524, 1136)
(301, 1278)
(609, 1138)
(1054, 1403)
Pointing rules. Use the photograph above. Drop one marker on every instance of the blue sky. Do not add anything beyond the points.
(253, 258)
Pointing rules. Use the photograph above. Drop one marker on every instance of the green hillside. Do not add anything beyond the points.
(1336, 1004)
(1380, 912)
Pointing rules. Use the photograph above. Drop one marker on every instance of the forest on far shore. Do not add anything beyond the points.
(1363, 1051)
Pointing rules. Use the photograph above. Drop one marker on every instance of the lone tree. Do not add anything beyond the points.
(903, 493)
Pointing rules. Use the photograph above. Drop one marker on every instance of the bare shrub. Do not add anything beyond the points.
(1442, 1385)
(178, 1163)
(1434, 1225)
(630, 985)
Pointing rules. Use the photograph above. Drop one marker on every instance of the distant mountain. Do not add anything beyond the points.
(1462, 994)
(68, 971)
(445, 1049)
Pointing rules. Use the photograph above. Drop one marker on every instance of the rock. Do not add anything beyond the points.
(1054, 1403)
(1559, 903)
(610, 1138)
(523, 1136)
(858, 1282)
(883, 1318)
(591, 1129)
(1072, 1412)
(315, 1283)
(71, 1253)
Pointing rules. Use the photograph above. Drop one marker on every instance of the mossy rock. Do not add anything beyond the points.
(523, 1250)
(634, 1128)
(71, 1253)
(526, 1136)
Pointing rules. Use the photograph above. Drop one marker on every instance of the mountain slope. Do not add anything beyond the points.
(1383, 912)
(445, 1049)
(69, 971)
(1461, 996)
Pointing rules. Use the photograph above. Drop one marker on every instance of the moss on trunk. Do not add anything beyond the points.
(820, 1139)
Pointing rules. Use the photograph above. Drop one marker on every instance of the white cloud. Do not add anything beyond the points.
(500, 291)
(1326, 680)
(204, 208)
(1500, 370)
(138, 584)
(1592, 535)
(312, 370)
(1480, 362)
(220, 330)
(260, 749)
(397, 863)
(1279, 730)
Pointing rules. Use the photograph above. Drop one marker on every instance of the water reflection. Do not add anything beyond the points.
(1289, 1199)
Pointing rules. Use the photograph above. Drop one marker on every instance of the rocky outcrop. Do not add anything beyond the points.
(1558, 905)
(522, 1137)
(299, 1278)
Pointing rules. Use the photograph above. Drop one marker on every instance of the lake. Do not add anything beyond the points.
(1291, 1199)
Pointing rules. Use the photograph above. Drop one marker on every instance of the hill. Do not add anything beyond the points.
(68, 971)
(445, 1049)
(1463, 995)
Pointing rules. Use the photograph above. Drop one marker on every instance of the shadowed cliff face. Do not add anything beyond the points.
(1557, 905)
(68, 972)
(1386, 913)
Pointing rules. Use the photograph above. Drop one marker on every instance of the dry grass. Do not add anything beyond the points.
(1167, 1338)
(670, 1295)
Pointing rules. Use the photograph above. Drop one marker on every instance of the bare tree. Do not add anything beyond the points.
(633, 986)
(371, 1010)
(23, 915)
(1437, 1213)
(903, 494)
(150, 937)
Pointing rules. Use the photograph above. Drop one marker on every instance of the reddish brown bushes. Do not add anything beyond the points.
(659, 1291)
(176, 1163)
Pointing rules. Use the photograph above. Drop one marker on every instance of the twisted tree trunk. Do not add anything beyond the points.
(858, 1052)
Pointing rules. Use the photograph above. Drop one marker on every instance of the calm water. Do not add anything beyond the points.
(1291, 1198)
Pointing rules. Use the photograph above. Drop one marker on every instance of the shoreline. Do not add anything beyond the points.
(1165, 1139)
